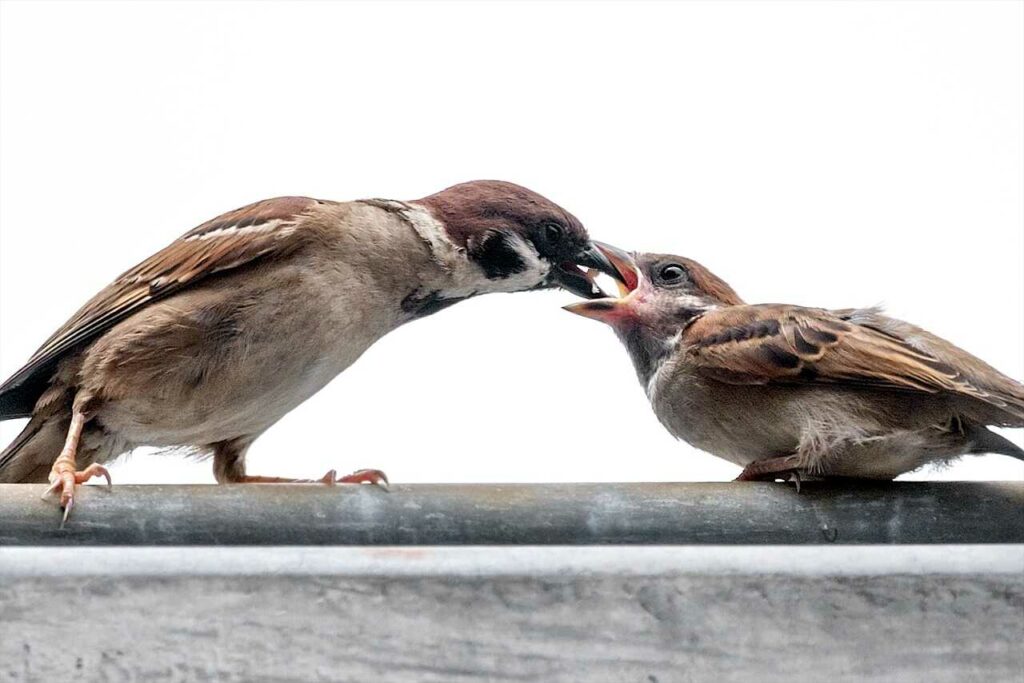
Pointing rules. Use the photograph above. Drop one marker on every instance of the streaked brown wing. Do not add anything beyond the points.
(227, 242)
(971, 368)
(775, 343)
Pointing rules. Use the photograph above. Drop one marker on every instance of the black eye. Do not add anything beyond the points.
(553, 233)
(673, 272)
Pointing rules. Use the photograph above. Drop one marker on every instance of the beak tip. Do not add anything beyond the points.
(596, 309)
(572, 308)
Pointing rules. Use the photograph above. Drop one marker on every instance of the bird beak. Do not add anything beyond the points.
(577, 275)
(608, 309)
(626, 274)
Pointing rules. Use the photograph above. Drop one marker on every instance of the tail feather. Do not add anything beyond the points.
(29, 457)
(986, 441)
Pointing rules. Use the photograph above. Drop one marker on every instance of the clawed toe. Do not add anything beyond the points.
(770, 469)
(64, 478)
(51, 489)
(67, 511)
(375, 477)
(787, 476)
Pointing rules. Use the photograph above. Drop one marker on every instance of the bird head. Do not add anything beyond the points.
(659, 294)
(519, 239)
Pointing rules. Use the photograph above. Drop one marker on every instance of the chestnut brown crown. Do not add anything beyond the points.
(482, 216)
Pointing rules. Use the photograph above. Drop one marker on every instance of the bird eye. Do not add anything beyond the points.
(552, 233)
(672, 273)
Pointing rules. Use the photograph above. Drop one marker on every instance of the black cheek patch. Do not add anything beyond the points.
(496, 255)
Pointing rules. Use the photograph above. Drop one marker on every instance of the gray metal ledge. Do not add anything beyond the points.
(526, 514)
(899, 582)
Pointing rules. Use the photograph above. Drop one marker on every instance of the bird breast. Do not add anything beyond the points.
(232, 357)
(738, 423)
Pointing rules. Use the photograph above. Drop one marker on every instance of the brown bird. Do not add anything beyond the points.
(211, 340)
(788, 391)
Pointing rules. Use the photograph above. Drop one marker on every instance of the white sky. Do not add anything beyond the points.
(832, 154)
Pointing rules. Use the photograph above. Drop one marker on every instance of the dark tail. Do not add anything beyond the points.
(29, 457)
(985, 441)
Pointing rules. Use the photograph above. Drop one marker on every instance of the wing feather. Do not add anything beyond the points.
(775, 343)
(225, 243)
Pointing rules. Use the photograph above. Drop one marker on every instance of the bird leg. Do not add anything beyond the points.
(65, 475)
(784, 467)
(229, 468)
(375, 477)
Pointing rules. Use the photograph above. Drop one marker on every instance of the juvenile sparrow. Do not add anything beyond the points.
(787, 391)
(211, 340)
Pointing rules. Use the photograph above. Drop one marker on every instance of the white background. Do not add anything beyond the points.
(832, 154)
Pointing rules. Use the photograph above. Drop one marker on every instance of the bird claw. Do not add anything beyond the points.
(51, 489)
(67, 511)
(331, 478)
(65, 478)
(773, 469)
(786, 476)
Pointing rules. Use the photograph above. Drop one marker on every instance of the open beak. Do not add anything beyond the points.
(578, 275)
(608, 309)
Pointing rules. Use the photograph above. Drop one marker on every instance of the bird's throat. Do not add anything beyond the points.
(646, 349)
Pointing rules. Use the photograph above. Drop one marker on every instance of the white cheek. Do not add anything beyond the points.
(465, 278)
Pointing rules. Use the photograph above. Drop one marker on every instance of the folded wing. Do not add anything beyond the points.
(858, 347)
(228, 242)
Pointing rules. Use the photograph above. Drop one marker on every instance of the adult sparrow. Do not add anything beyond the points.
(211, 340)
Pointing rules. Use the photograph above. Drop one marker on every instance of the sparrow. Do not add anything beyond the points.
(786, 391)
(211, 340)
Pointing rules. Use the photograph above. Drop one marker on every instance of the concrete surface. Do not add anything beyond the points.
(444, 614)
